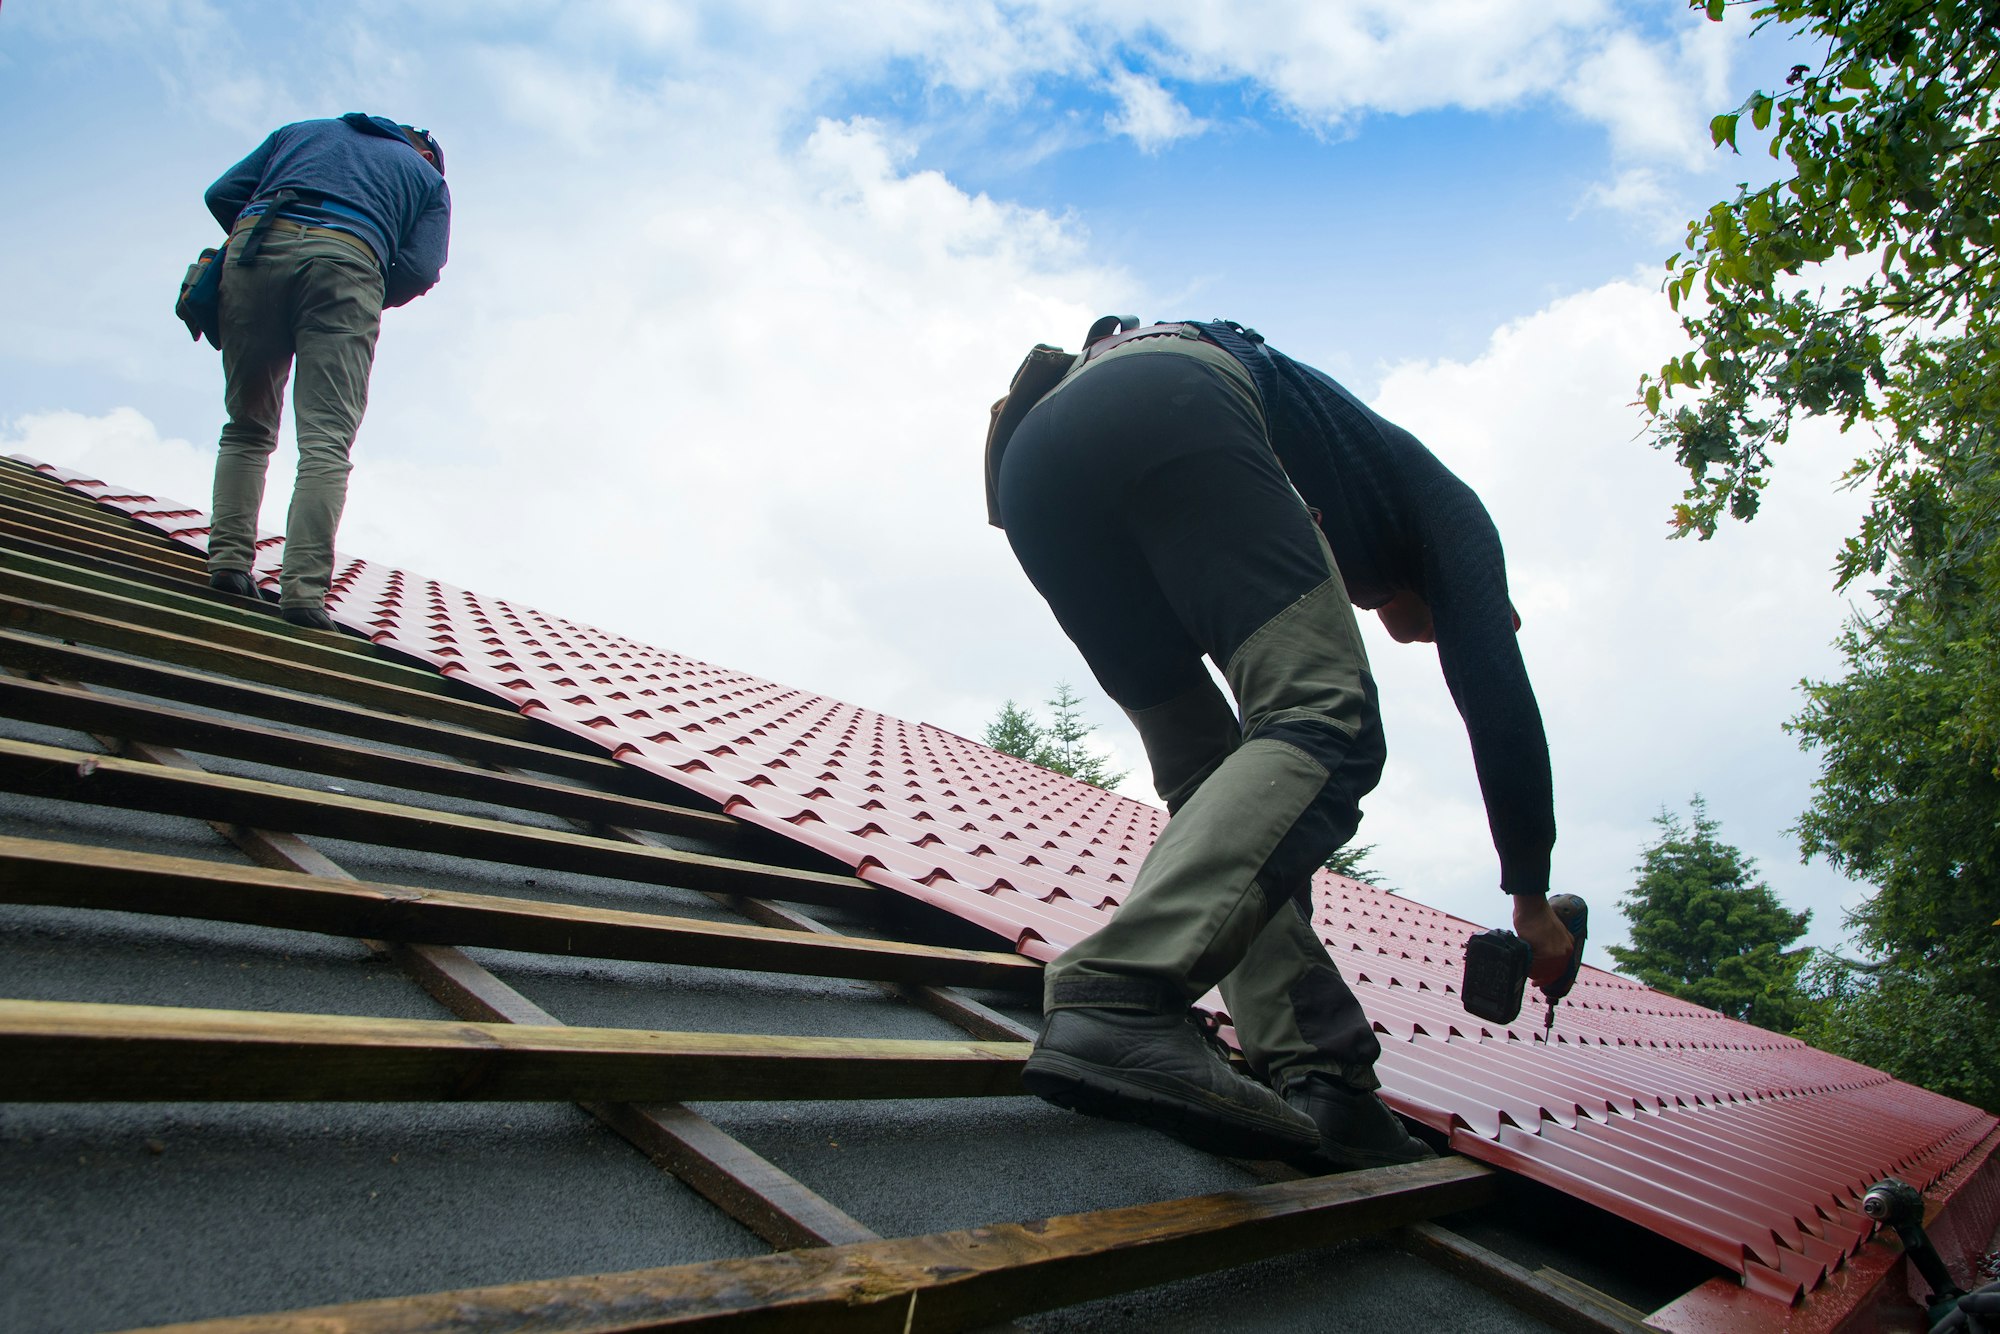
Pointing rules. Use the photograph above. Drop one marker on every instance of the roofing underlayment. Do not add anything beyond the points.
(1748, 1147)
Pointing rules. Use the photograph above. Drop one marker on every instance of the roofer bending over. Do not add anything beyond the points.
(1151, 499)
(330, 221)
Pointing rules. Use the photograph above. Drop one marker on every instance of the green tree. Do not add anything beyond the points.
(1907, 799)
(1015, 732)
(1352, 862)
(1705, 930)
(1893, 152)
(1908, 792)
(1924, 1023)
(1058, 744)
(1063, 746)
(1894, 162)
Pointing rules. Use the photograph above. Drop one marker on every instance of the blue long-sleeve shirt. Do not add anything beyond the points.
(359, 174)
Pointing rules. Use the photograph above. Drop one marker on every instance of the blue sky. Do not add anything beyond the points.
(732, 285)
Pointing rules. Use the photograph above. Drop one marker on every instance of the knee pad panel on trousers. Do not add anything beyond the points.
(1306, 660)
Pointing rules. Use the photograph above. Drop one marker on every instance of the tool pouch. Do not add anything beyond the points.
(199, 305)
(1042, 369)
(1496, 975)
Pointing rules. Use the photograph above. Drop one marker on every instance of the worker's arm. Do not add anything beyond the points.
(1465, 578)
(420, 258)
(1473, 621)
(235, 188)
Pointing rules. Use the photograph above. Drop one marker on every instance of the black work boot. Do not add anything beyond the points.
(312, 618)
(233, 581)
(1356, 1128)
(1158, 1070)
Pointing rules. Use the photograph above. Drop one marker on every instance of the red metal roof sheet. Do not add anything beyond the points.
(1746, 1146)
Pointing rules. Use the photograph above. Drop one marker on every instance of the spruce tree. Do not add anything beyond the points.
(1705, 929)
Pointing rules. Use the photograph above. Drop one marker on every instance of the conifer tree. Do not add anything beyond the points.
(1705, 929)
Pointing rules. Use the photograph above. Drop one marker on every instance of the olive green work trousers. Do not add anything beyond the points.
(311, 301)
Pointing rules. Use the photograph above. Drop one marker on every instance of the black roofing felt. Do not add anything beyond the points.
(139, 1214)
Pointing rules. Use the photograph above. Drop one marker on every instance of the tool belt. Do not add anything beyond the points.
(1104, 342)
(269, 220)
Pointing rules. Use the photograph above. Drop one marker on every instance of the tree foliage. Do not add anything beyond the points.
(1895, 168)
(1705, 930)
(1015, 732)
(1352, 862)
(1930, 1025)
(1860, 287)
(1060, 744)
(1909, 792)
(1909, 799)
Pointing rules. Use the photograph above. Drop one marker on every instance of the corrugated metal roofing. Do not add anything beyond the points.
(1746, 1146)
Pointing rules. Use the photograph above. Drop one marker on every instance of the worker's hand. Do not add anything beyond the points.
(1536, 922)
(1407, 618)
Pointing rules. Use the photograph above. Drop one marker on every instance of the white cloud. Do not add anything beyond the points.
(1322, 64)
(1641, 94)
(1662, 669)
(1148, 114)
(1638, 190)
(738, 412)
(116, 446)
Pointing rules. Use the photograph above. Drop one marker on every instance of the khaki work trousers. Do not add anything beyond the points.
(1146, 506)
(314, 301)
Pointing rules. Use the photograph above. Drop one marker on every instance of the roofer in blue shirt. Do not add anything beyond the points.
(1186, 492)
(330, 222)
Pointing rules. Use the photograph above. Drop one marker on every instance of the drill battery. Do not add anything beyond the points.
(1496, 975)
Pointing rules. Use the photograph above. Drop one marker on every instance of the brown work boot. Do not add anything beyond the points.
(1158, 1070)
(1356, 1128)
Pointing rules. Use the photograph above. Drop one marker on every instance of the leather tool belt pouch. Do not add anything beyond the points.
(1042, 369)
(199, 305)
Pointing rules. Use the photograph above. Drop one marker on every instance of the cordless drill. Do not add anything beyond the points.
(1899, 1206)
(1498, 965)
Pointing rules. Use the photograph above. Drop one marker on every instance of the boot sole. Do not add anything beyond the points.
(1204, 1123)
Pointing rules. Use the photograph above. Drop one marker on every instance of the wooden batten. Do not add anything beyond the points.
(72, 775)
(91, 711)
(562, 756)
(104, 879)
(943, 1282)
(95, 526)
(209, 619)
(95, 552)
(60, 622)
(755, 1192)
(58, 1051)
